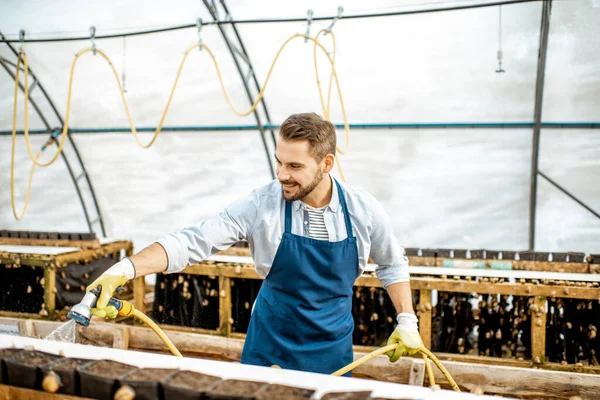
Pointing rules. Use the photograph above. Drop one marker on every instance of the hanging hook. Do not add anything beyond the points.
(500, 70)
(123, 74)
(22, 39)
(308, 22)
(340, 10)
(199, 26)
(93, 38)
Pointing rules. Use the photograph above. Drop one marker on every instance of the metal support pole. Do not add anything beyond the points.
(240, 55)
(75, 149)
(539, 96)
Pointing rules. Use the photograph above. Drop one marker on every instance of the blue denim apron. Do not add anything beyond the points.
(302, 318)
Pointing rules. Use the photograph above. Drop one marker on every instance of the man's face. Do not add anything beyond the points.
(298, 172)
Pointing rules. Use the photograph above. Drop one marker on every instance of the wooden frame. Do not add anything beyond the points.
(505, 378)
(52, 263)
(224, 271)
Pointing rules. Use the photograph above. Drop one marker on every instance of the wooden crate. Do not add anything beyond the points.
(538, 285)
(53, 260)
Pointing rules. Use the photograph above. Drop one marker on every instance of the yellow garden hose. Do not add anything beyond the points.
(428, 369)
(127, 309)
(391, 347)
(23, 58)
(158, 331)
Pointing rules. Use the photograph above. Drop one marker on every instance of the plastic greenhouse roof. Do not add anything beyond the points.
(457, 187)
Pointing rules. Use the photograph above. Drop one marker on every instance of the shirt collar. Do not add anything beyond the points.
(333, 205)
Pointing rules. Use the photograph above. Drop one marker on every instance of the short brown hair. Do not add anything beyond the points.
(310, 126)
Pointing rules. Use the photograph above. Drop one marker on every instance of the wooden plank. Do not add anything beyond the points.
(121, 339)
(519, 382)
(27, 328)
(87, 255)
(516, 289)
(61, 260)
(551, 266)
(50, 290)
(16, 393)
(14, 314)
(220, 270)
(538, 330)
(83, 244)
(139, 294)
(425, 315)
(416, 376)
(225, 320)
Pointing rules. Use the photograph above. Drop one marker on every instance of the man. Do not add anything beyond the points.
(310, 237)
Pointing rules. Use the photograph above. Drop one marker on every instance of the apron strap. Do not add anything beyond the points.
(288, 217)
(345, 209)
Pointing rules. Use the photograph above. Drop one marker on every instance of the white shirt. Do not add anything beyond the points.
(259, 219)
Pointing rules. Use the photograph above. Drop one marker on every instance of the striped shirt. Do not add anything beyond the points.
(316, 222)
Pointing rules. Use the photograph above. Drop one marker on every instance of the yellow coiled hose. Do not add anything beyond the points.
(127, 310)
(35, 158)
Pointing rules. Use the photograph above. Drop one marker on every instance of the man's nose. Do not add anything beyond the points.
(282, 174)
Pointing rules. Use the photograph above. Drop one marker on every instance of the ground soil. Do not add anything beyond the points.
(194, 381)
(7, 352)
(347, 396)
(68, 364)
(32, 358)
(233, 388)
(110, 369)
(149, 374)
(284, 393)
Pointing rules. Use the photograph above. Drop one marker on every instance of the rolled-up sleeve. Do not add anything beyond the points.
(196, 243)
(386, 252)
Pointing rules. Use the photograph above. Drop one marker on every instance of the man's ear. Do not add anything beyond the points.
(328, 162)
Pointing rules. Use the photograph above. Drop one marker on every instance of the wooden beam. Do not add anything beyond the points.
(17, 393)
(459, 285)
(63, 259)
(425, 315)
(14, 314)
(227, 270)
(538, 330)
(225, 320)
(83, 244)
(121, 339)
(515, 289)
(551, 266)
(139, 294)
(50, 290)
(416, 376)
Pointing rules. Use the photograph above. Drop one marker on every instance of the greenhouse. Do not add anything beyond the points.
(146, 137)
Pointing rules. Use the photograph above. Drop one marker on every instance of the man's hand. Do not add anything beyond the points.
(109, 281)
(406, 335)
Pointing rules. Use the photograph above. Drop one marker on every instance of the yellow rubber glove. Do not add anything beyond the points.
(109, 311)
(406, 335)
(109, 281)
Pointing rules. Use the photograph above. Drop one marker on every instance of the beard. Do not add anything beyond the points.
(302, 191)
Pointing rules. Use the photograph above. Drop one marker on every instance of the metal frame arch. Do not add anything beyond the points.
(83, 175)
(240, 56)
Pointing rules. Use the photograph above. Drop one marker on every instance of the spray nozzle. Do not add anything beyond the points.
(82, 312)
